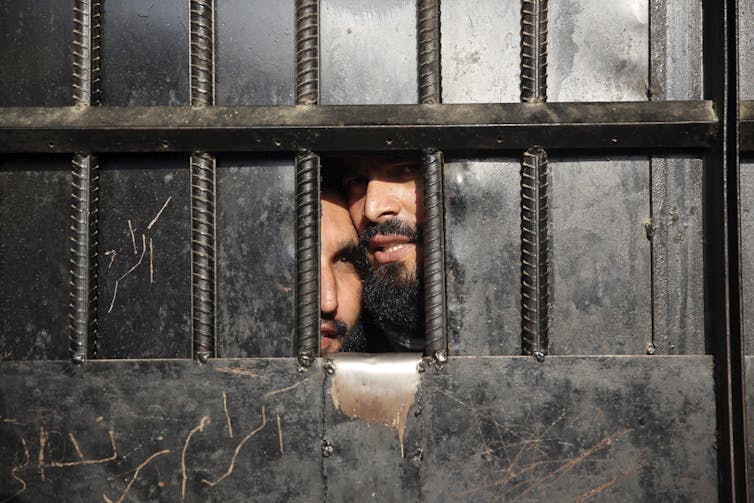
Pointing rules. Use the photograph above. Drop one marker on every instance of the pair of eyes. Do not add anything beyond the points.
(396, 173)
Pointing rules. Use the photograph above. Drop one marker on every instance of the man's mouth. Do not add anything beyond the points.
(328, 335)
(390, 248)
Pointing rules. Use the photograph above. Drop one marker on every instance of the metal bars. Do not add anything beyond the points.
(84, 188)
(307, 190)
(428, 16)
(535, 193)
(203, 239)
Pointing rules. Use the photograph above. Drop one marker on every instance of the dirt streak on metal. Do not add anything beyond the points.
(376, 388)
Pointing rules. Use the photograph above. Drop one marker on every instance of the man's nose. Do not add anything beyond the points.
(328, 301)
(380, 202)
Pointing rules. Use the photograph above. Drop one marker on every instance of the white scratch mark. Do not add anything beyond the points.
(157, 216)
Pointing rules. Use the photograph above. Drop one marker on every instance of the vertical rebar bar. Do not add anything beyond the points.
(535, 193)
(307, 189)
(203, 237)
(85, 188)
(535, 245)
(430, 92)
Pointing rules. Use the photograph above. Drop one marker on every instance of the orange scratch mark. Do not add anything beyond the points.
(84, 461)
(136, 475)
(287, 388)
(200, 427)
(27, 460)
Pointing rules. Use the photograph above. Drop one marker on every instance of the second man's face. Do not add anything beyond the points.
(385, 203)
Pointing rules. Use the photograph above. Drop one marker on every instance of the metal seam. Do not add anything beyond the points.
(430, 92)
(202, 173)
(85, 188)
(535, 244)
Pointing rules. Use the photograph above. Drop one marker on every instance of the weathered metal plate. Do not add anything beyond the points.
(568, 429)
(483, 252)
(145, 257)
(36, 73)
(746, 50)
(145, 52)
(746, 181)
(254, 57)
(481, 52)
(600, 257)
(150, 430)
(368, 52)
(255, 256)
(677, 241)
(371, 427)
(35, 202)
(749, 396)
(598, 50)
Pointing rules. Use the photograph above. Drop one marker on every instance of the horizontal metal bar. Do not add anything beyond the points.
(746, 126)
(627, 125)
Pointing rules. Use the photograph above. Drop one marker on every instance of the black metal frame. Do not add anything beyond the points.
(716, 126)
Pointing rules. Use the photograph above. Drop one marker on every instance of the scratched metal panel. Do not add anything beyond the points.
(482, 239)
(368, 52)
(746, 180)
(598, 50)
(254, 57)
(142, 431)
(36, 37)
(570, 429)
(677, 241)
(481, 52)
(367, 459)
(255, 256)
(145, 52)
(35, 201)
(601, 256)
(749, 385)
(145, 259)
(746, 49)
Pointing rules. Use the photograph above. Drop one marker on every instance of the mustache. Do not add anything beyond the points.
(393, 226)
(338, 325)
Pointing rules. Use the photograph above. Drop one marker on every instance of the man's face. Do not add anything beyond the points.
(384, 189)
(340, 294)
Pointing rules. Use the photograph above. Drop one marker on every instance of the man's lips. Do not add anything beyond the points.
(390, 248)
(328, 335)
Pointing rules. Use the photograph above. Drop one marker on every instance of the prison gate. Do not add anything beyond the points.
(587, 250)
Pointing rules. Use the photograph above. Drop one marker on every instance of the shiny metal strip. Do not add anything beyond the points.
(85, 187)
(203, 238)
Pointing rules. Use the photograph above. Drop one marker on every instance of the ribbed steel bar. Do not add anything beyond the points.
(307, 189)
(430, 92)
(535, 193)
(84, 188)
(533, 51)
(307, 52)
(307, 257)
(203, 240)
(535, 246)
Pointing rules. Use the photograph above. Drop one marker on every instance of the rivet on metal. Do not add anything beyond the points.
(651, 348)
(540, 356)
(329, 367)
(420, 367)
(327, 449)
(305, 361)
(440, 357)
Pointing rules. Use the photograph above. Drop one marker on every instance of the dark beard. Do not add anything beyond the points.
(353, 341)
(393, 296)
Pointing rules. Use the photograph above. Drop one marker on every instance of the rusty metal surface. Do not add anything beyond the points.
(608, 428)
(158, 431)
(35, 222)
(747, 250)
(480, 50)
(746, 49)
(368, 52)
(34, 73)
(145, 249)
(598, 50)
(255, 256)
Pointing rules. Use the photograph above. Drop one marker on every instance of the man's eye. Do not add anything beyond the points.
(354, 182)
